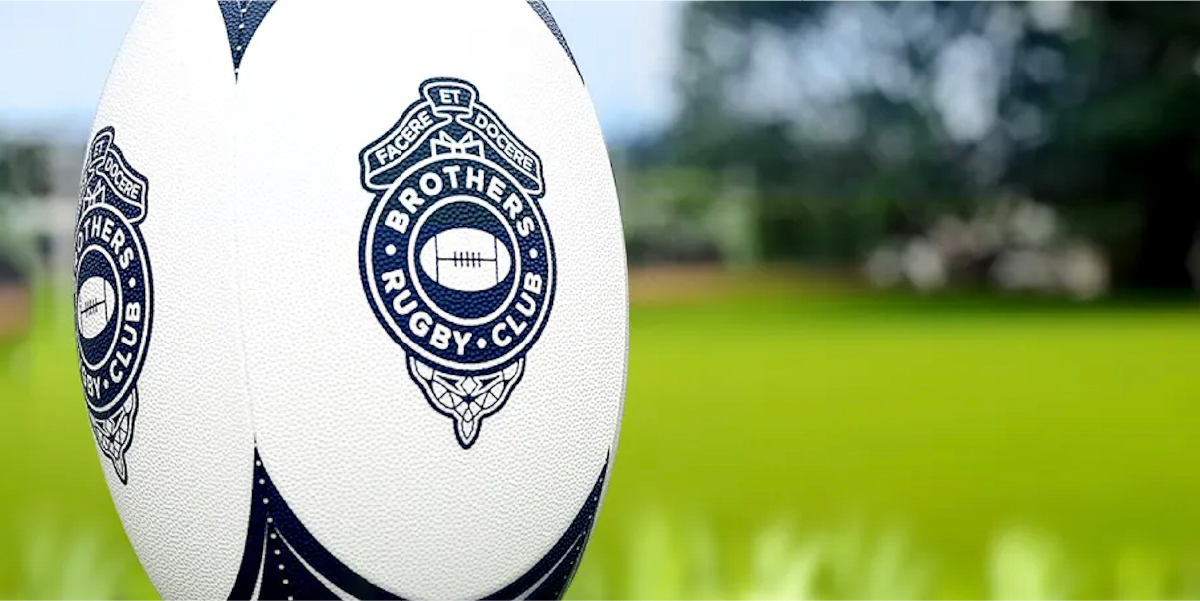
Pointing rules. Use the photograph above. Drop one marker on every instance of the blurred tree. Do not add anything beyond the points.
(753, 95)
(1127, 130)
(880, 116)
(24, 170)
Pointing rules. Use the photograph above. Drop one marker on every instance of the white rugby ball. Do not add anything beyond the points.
(371, 279)
(95, 304)
(465, 259)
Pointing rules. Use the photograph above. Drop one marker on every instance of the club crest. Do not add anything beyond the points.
(455, 255)
(113, 302)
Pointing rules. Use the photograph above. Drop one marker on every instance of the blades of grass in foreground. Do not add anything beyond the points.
(1025, 563)
(782, 565)
(62, 564)
(681, 559)
(664, 558)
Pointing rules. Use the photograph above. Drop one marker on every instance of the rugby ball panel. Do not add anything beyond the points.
(168, 97)
(465, 259)
(513, 494)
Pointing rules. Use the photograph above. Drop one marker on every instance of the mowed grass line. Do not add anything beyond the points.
(777, 447)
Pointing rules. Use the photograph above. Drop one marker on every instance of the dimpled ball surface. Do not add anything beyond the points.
(285, 436)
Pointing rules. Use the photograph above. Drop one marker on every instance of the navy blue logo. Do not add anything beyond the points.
(456, 256)
(113, 301)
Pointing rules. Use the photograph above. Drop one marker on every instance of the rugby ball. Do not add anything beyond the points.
(351, 296)
(465, 259)
(95, 304)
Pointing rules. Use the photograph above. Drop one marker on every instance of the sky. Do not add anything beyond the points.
(55, 56)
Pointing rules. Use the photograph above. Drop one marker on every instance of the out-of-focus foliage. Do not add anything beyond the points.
(24, 170)
(1126, 129)
(25, 173)
(704, 214)
(857, 122)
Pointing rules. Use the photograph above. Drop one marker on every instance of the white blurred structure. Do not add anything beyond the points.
(46, 222)
(1019, 245)
(924, 264)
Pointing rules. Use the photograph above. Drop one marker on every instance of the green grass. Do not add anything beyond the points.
(778, 446)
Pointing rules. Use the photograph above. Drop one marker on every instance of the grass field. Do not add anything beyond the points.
(785, 445)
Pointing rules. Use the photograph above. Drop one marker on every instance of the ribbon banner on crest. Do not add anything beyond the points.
(451, 118)
(127, 188)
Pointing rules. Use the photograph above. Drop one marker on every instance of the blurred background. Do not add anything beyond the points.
(913, 300)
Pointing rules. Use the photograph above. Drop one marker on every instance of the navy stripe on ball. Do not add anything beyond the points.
(543, 11)
(241, 21)
(282, 559)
